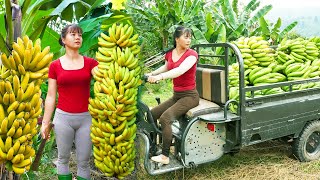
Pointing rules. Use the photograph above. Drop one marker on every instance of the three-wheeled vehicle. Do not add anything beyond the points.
(210, 130)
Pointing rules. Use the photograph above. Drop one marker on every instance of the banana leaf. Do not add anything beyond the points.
(287, 29)
(275, 30)
(251, 6)
(3, 46)
(222, 37)
(264, 26)
(229, 13)
(199, 37)
(235, 7)
(51, 38)
(262, 12)
(236, 33)
(39, 28)
(210, 26)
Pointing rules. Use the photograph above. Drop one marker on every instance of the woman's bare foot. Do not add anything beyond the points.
(161, 159)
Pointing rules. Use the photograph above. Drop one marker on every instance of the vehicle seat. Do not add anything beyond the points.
(211, 88)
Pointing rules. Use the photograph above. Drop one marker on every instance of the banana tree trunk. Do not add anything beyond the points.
(16, 18)
(9, 175)
(165, 37)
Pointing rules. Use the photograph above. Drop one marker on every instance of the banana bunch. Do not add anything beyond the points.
(234, 75)
(255, 51)
(277, 90)
(120, 36)
(264, 75)
(317, 41)
(234, 95)
(114, 106)
(298, 49)
(21, 75)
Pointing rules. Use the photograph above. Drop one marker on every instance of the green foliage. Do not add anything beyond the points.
(273, 33)
(36, 14)
(98, 20)
(159, 17)
(237, 22)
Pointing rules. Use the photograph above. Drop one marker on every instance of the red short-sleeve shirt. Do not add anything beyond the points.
(73, 85)
(187, 80)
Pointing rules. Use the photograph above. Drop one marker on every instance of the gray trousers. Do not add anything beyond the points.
(69, 128)
(178, 105)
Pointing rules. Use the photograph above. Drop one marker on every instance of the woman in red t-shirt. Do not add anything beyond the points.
(180, 65)
(70, 76)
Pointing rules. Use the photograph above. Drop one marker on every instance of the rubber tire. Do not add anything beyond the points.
(299, 144)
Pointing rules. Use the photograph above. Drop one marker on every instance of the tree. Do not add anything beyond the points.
(31, 17)
(233, 21)
(160, 16)
(273, 33)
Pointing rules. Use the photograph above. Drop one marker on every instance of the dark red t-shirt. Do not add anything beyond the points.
(73, 85)
(187, 80)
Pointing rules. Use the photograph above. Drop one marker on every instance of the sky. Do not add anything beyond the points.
(288, 3)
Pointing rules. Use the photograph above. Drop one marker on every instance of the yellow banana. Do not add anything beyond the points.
(33, 123)
(16, 84)
(105, 37)
(111, 31)
(26, 129)
(13, 106)
(19, 47)
(23, 163)
(2, 87)
(11, 131)
(21, 107)
(5, 61)
(20, 115)
(2, 113)
(21, 149)
(8, 86)
(16, 123)
(30, 154)
(8, 143)
(28, 91)
(39, 57)
(12, 63)
(17, 158)
(18, 133)
(25, 81)
(37, 114)
(44, 62)
(2, 147)
(105, 43)
(16, 147)
(16, 57)
(10, 153)
(20, 94)
(35, 75)
(12, 97)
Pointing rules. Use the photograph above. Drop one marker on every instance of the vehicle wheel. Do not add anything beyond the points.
(307, 146)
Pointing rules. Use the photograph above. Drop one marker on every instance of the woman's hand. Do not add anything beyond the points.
(154, 79)
(45, 130)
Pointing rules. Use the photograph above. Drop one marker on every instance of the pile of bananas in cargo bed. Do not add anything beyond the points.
(114, 107)
(20, 101)
(295, 59)
(255, 52)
